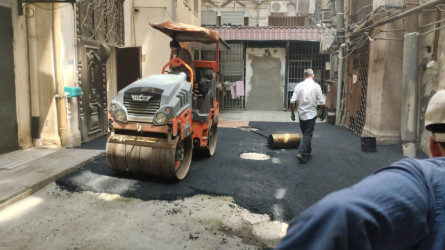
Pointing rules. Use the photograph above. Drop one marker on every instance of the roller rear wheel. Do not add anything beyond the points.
(209, 150)
(183, 158)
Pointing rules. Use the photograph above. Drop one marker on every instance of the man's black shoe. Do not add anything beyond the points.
(302, 158)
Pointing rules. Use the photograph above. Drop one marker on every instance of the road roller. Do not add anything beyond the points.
(158, 122)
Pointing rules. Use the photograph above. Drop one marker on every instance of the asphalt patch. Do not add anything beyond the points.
(337, 162)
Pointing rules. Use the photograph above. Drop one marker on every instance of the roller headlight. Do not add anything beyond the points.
(161, 118)
(113, 107)
(120, 116)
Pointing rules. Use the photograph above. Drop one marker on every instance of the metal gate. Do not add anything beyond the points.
(303, 55)
(232, 70)
(356, 91)
(9, 132)
(296, 70)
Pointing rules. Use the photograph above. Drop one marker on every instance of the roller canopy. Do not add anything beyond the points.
(187, 33)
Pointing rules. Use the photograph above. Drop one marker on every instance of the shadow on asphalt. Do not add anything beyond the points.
(99, 143)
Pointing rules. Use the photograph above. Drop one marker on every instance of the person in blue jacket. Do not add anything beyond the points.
(401, 206)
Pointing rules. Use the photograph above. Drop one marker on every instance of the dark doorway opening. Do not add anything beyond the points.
(9, 131)
(129, 68)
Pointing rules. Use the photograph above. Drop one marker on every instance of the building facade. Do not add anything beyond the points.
(62, 61)
(392, 63)
(272, 42)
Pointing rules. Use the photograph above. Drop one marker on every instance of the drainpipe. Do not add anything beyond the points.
(33, 79)
(61, 101)
(339, 6)
(408, 126)
(286, 78)
(339, 85)
(410, 88)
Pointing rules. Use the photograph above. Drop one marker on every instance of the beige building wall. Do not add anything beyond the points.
(55, 67)
(384, 97)
(47, 88)
(385, 76)
(155, 45)
(384, 89)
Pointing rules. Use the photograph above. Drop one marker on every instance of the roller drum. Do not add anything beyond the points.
(155, 157)
(283, 140)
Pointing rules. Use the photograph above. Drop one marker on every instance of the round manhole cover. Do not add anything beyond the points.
(255, 156)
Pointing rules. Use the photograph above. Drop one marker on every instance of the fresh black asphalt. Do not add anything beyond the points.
(279, 187)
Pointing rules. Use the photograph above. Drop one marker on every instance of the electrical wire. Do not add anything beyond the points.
(374, 14)
(432, 31)
(432, 23)
(387, 31)
(362, 42)
(389, 38)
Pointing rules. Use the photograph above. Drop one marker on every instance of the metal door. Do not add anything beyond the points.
(8, 134)
(356, 90)
(265, 84)
(93, 80)
(353, 92)
(129, 67)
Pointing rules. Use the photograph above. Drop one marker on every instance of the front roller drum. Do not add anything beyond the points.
(157, 160)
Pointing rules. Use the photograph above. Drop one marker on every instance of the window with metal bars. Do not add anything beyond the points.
(359, 10)
(101, 20)
(289, 21)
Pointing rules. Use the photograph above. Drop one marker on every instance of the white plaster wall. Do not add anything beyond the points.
(384, 93)
(67, 53)
(187, 14)
(155, 44)
(46, 79)
(275, 83)
(128, 23)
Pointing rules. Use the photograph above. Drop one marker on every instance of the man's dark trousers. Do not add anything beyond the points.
(307, 128)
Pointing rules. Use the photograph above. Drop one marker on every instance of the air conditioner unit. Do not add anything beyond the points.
(325, 16)
(278, 7)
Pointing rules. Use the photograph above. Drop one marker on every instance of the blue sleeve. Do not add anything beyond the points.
(387, 210)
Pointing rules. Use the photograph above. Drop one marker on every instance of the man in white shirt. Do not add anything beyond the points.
(307, 96)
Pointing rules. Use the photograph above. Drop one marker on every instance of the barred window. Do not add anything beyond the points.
(101, 20)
